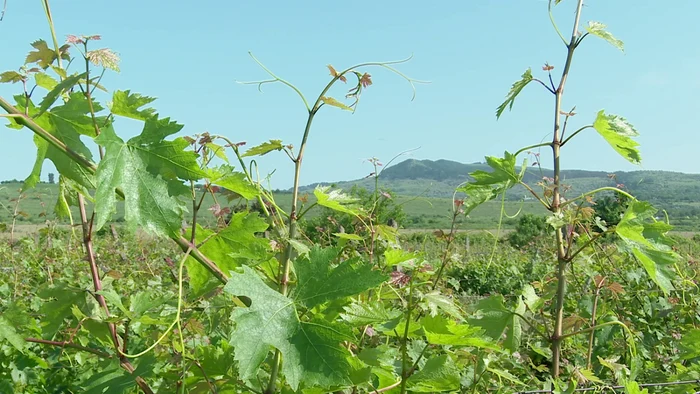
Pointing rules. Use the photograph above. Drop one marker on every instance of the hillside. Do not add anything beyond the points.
(434, 182)
(679, 193)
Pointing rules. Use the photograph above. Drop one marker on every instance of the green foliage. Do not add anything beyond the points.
(341, 210)
(610, 209)
(109, 309)
(529, 229)
(311, 349)
(488, 185)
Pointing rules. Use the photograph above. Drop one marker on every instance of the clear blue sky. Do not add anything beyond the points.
(189, 55)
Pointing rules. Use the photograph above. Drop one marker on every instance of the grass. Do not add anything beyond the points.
(37, 206)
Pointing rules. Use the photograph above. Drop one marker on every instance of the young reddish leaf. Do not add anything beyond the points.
(104, 57)
(335, 73)
(365, 80)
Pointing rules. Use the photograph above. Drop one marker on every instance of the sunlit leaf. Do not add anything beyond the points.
(486, 186)
(618, 132)
(264, 148)
(335, 103)
(45, 81)
(517, 87)
(127, 104)
(43, 55)
(11, 77)
(229, 179)
(598, 29)
(440, 331)
(337, 200)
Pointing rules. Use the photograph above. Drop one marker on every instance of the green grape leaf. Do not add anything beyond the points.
(436, 300)
(690, 345)
(362, 314)
(8, 333)
(336, 200)
(618, 132)
(229, 179)
(155, 130)
(218, 150)
(58, 90)
(116, 380)
(147, 203)
(201, 280)
(127, 104)
(515, 90)
(349, 237)
(232, 247)
(335, 103)
(486, 186)
(598, 30)
(438, 375)
(398, 257)
(264, 148)
(647, 240)
(440, 331)
(74, 115)
(632, 387)
(65, 165)
(495, 319)
(311, 351)
(11, 77)
(318, 281)
(46, 81)
(57, 307)
(44, 56)
(502, 373)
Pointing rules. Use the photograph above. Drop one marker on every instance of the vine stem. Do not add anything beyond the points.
(556, 208)
(87, 233)
(293, 216)
(64, 344)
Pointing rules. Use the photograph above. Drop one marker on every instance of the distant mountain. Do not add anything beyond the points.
(674, 191)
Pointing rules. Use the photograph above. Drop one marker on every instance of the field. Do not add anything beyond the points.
(36, 207)
(160, 262)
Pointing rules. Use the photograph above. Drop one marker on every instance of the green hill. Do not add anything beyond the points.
(678, 193)
(425, 189)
